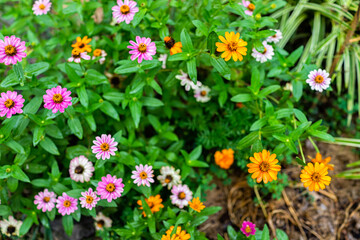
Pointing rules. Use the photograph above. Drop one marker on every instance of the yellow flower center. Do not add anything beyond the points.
(248, 229)
(142, 48)
(67, 203)
(9, 103)
(264, 167)
(97, 52)
(203, 93)
(89, 199)
(42, 6)
(110, 187)
(319, 79)
(124, 9)
(46, 199)
(57, 98)
(251, 7)
(79, 169)
(168, 178)
(233, 46)
(143, 175)
(104, 147)
(75, 53)
(10, 50)
(182, 195)
(315, 177)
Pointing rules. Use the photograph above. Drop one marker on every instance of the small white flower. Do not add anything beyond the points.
(102, 221)
(276, 37)
(318, 80)
(76, 56)
(202, 94)
(288, 86)
(186, 81)
(162, 59)
(169, 177)
(10, 227)
(265, 55)
(102, 54)
(81, 169)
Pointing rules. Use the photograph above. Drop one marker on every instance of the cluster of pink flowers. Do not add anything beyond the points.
(268, 52)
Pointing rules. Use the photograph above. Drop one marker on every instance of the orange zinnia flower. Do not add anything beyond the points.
(225, 158)
(172, 45)
(82, 44)
(232, 46)
(325, 161)
(315, 176)
(154, 203)
(263, 167)
(178, 235)
(196, 204)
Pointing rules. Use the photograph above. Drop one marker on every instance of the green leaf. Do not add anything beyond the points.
(219, 237)
(139, 16)
(33, 106)
(17, 173)
(15, 146)
(255, 80)
(5, 211)
(201, 27)
(93, 77)
(196, 163)
(19, 71)
(186, 41)
(12, 184)
(75, 127)
(135, 110)
(179, 57)
(281, 235)
(109, 110)
(151, 102)
(268, 90)
(211, 42)
(73, 76)
(232, 233)
(195, 154)
(300, 130)
(248, 140)
(37, 68)
(68, 224)
(26, 225)
(115, 97)
(295, 55)
(38, 133)
(83, 96)
(48, 145)
(191, 66)
(297, 89)
(300, 161)
(265, 233)
(322, 135)
(242, 97)
(220, 65)
(258, 124)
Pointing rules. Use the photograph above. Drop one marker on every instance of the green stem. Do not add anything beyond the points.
(313, 143)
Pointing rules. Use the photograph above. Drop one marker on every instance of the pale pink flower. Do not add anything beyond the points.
(264, 56)
(318, 80)
(102, 221)
(276, 37)
(12, 50)
(124, 11)
(81, 169)
(250, 7)
(110, 187)
(66, 204)
(45, 200)
(143, 175)
(143, 48)
(89, 199)
(202, 94)
(41, 7)
(187, 82)
(11, 103)
(57, 99)
(181, 195)
(248, 228)
(76, 56)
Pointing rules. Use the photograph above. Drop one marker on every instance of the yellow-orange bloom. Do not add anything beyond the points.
(263, 167)
(154, 203)
(325, 161)
(225, 158)
(82, 44)
(232, 46)
(172, 45)
(196, 204)
(178, 235)
(97, 52)
(315, 176)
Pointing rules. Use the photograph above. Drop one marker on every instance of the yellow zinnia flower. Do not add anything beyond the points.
(175, 47)
(325, 161)
(263, 167)
(225, 158)
(232, 46)
(82, 44)
(314, 176)
(196, 204)
(178, 235)
(154, 203)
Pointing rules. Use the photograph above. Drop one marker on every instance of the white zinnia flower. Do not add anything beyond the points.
(81, 169)
(186, 81)
(202, 94)
(276, 37)
(162, 59)
(169, 177)
(265, 55)
(318, 80)
(10, 227)
(102, 221)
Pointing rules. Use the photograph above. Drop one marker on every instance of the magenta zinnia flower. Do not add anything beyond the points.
(143, 175)
(110, 187)
(89, 199)
(318, 80)
(125, 11)
(11, 104)
(81, 169)
(12, 50)
(45, 200)
(143, 48)
(66, 204)
(104, 146)
(57, 99)
(181, 195)
(248, 228)
(41, 7)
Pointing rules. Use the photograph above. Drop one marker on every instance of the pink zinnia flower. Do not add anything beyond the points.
(104, 146)
(12, 50)
(110, 187)
(276, 37)
(318, 80)
(41, 7)
(81, 169)
(250, 7)
(181, 195)
(76, 56)
(143, 48)
(45, 200)
(143, 175)
(66, 204)
(267, 54)
(57, 99)
(248, 228)
(11, 104)
(125, 11)
(89, 199)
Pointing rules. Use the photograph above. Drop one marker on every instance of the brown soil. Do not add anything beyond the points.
(331, 214)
